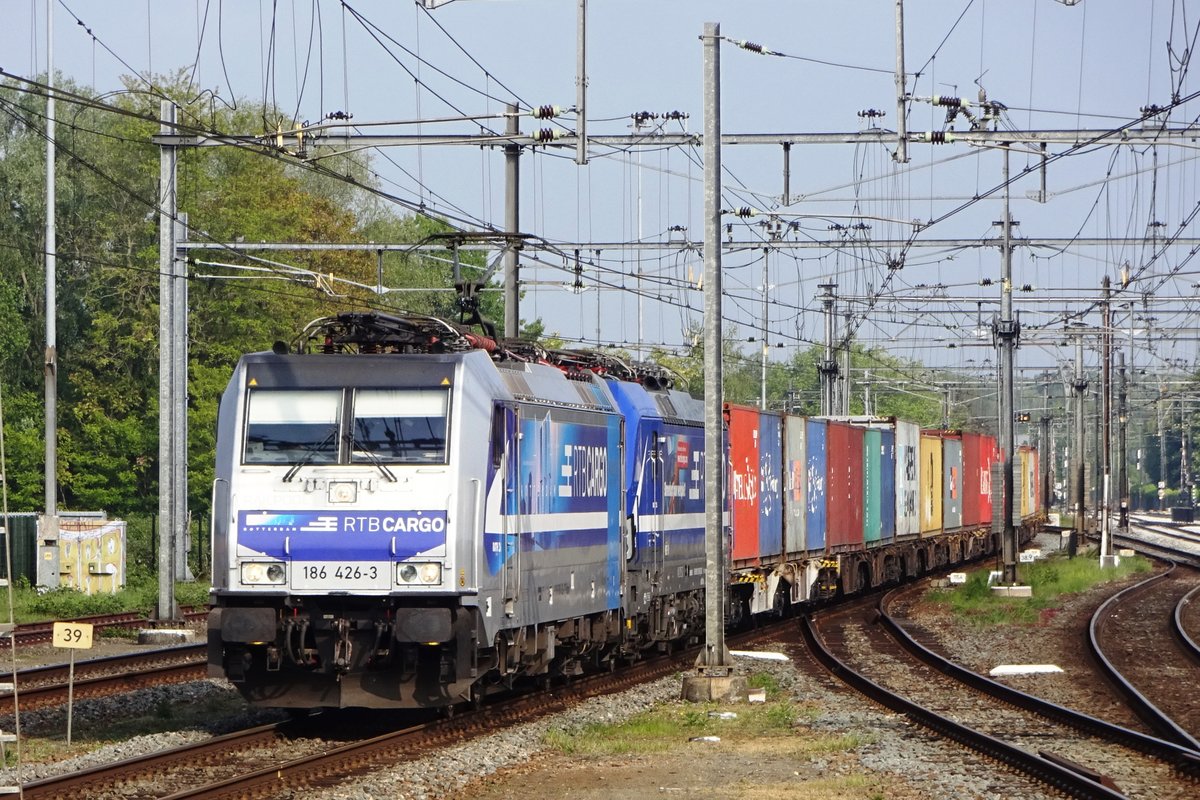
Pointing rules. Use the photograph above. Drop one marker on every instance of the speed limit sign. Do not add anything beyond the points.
(75, 635)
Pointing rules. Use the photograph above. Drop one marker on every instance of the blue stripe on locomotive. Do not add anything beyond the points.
(343, 535)
(563, 466)
(664, 479)
(558, 469)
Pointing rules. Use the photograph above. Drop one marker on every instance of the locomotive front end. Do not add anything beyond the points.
(342, 519)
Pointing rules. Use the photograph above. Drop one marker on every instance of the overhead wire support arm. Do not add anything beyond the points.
(1127, 134)
(487, 240)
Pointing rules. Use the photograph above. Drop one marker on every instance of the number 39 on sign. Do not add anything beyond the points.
(74, 635)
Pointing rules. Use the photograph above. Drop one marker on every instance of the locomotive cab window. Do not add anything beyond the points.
(290, 427)
(399, 426)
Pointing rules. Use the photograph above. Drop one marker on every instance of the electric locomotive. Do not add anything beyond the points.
(405, 516)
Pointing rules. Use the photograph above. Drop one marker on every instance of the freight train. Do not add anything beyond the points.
(410, 514)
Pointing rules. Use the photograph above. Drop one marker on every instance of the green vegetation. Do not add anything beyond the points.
(667, 727)
(1051, 579)
(139, 595)
(30, 605)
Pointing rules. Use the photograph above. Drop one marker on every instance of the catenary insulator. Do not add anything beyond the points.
(547, 134)
(545, 112)
(938, 137)
(743, 211)
(754, 47)
(950, 101)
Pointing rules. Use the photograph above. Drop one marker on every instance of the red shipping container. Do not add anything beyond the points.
(743, 481)
(844, 487)
(979, 451)
(990, 454)
(971, 445)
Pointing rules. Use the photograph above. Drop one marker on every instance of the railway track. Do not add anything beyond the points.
(1186, 622)
(1136, 639)
(41, 687)
(1160, 540)
(1071, 752)
(42, 632)
(276, 760)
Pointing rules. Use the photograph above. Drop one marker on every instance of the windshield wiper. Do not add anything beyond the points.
(311, 452)
(373, 458)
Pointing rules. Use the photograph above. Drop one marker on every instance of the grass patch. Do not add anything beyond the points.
(828, 745)
(667, 727)
(1051, 579)
(64, 603)
(766, 681)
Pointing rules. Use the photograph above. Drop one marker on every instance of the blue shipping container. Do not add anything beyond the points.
(815, 516)
(770, 495)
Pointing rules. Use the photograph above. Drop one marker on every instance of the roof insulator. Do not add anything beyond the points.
(950, 101)
(547, 134)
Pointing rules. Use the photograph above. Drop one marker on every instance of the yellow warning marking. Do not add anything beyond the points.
(254, 381)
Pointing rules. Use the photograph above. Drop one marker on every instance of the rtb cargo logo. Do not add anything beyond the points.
(349, 523)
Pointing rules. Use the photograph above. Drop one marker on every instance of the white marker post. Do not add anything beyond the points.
(73, 636)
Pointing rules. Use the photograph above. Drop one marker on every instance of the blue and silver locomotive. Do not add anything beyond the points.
(405, 516)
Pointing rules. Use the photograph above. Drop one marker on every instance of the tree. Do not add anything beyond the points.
(108, 281)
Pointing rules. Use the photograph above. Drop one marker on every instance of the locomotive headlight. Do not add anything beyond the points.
(263, 572)
(343, 491)
(426, 573)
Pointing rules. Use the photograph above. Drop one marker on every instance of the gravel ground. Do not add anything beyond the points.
(895, 759)
(893, 748)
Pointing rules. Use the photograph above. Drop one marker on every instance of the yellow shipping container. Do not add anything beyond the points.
(931, 484)
(1028, 481)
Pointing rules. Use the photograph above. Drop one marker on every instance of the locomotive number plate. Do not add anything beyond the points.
(344, 576)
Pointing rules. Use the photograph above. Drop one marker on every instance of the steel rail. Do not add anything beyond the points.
(1150, 713)
(1049, 772)
(1189, 644)
(1183, 757)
